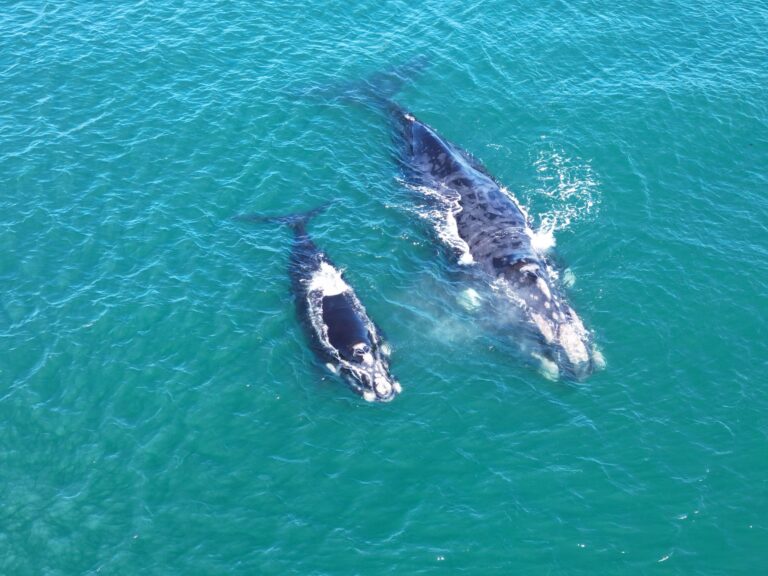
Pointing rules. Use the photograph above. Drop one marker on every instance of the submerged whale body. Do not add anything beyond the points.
(499, 240)
(342, 335)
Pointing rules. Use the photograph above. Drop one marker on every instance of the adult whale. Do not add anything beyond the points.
(340, 332)
(498, 237)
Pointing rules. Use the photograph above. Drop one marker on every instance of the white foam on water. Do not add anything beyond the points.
(328, 281)
(571, 185)
(449, 233)
(514, 199)
(443, 219)
(543, 239)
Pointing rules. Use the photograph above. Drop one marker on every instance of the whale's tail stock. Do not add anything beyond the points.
(377, 89)
(382, 86)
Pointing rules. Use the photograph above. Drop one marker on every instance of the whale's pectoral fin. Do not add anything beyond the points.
(598, 360)
(469, 299)
(547, 367)
(569, 278)
(557, 265)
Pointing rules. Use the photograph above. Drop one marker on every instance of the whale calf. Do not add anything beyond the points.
(341, 334)
(498, 238)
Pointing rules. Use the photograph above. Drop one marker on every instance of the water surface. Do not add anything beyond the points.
(160, 410)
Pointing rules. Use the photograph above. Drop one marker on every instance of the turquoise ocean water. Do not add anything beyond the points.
(160, 412)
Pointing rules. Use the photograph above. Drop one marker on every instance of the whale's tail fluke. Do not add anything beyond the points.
(297, 221)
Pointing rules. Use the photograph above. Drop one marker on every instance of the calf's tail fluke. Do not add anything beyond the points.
(297, 221)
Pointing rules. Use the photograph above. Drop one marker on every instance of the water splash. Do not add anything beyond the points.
(543, 239)
(328, 281)
(441, 213)
(570, 185)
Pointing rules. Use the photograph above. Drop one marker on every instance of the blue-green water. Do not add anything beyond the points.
(160, 412)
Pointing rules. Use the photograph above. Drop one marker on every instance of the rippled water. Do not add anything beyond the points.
(160, 410)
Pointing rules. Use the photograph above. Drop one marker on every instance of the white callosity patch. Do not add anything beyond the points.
(367, 359)
(502, 286)
(541, 283)
(544, 327)
(383, 387)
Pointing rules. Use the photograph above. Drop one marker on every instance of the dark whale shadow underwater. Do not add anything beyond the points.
(336, 324)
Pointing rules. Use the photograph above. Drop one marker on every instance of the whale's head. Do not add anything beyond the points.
(367, 370)
(559, 340)
(570, 354)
